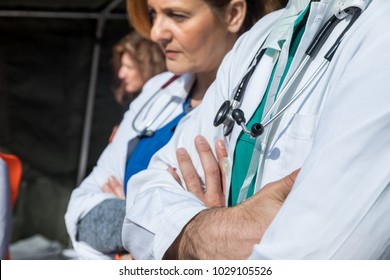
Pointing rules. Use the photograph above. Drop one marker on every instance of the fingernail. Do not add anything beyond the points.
(200, 139)
(181, 151)
(221, 144)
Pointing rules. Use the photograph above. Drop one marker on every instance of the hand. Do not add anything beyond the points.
(214, 194)
(114, 187)
(114, 130)
(231, 233)
(122, 257)
(264, 205)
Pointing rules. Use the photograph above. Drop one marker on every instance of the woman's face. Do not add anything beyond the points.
(193, 39)
(130, 74)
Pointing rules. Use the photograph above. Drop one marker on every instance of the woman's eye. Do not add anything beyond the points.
(177, 16)
(152, 16)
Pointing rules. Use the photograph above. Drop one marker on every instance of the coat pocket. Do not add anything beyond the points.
(298, 142)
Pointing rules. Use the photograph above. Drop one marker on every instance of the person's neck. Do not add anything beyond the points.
(202, 83)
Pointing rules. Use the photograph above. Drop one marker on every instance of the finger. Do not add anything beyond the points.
(282, 187)
(117, 187)
(120, 193)
(114, 130)
(174, 174)
(222, 161)
(188, 171)
(287, 183)
(107, 188)
(290, 179)
(210, 166)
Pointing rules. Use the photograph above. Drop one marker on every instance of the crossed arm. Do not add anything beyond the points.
(227, 233)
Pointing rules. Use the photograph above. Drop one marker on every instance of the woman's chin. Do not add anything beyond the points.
(177, 68)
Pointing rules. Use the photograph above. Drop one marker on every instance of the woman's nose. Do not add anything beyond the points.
(160, 32)
(122, 73)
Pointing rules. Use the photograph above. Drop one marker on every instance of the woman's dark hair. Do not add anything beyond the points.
(256, 9)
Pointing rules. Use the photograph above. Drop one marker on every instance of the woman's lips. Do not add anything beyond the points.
(171, 54)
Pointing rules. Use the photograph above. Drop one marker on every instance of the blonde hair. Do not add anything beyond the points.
(138, 14)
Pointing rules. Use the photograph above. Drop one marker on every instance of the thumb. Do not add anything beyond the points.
(281, 188)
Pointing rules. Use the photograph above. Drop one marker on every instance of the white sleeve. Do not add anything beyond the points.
(339, 207)
(111, 163)
(157, 208)
(89, 193)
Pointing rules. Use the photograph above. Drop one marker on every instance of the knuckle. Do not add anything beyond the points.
(214, 171)
(190, 177)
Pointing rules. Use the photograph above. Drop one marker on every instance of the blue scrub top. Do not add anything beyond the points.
(147, 146)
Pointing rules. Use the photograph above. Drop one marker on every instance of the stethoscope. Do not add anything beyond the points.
(229, 112)
(145, 131)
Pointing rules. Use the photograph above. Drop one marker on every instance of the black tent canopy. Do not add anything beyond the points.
(60, 5)
(101, 10)
(56, 103)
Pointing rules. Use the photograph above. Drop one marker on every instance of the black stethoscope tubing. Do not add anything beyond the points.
(328, 58)
(146, 131)
(229, 112)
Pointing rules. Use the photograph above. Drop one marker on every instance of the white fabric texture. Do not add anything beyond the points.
(338, 131)
(112, 160)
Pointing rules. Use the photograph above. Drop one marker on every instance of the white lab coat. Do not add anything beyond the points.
(338, 131)
(112, 161)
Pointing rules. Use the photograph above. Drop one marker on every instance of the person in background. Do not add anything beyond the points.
(337, 131)
(194, 36)
(135, 60)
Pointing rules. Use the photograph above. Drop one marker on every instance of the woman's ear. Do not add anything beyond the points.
(236, 13)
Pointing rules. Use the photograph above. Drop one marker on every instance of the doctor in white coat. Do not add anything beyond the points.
(195, 36)
(338, 131)
(112, 162)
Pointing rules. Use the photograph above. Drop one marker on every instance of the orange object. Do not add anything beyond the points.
(14, 166)
(122, 257)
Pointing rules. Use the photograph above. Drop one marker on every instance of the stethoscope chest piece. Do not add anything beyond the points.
(148, 133)
(223, 116)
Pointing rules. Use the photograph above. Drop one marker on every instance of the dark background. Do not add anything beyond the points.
(45, 67)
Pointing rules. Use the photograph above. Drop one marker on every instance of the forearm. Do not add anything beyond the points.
(101, 228)
(231, 233)
(220, 233)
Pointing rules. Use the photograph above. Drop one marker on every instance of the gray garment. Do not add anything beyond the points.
(101, 228)
(5, 210)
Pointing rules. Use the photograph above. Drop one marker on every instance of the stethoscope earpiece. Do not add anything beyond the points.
(257, 130)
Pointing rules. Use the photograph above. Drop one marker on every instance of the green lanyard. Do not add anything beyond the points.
(245, 145)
